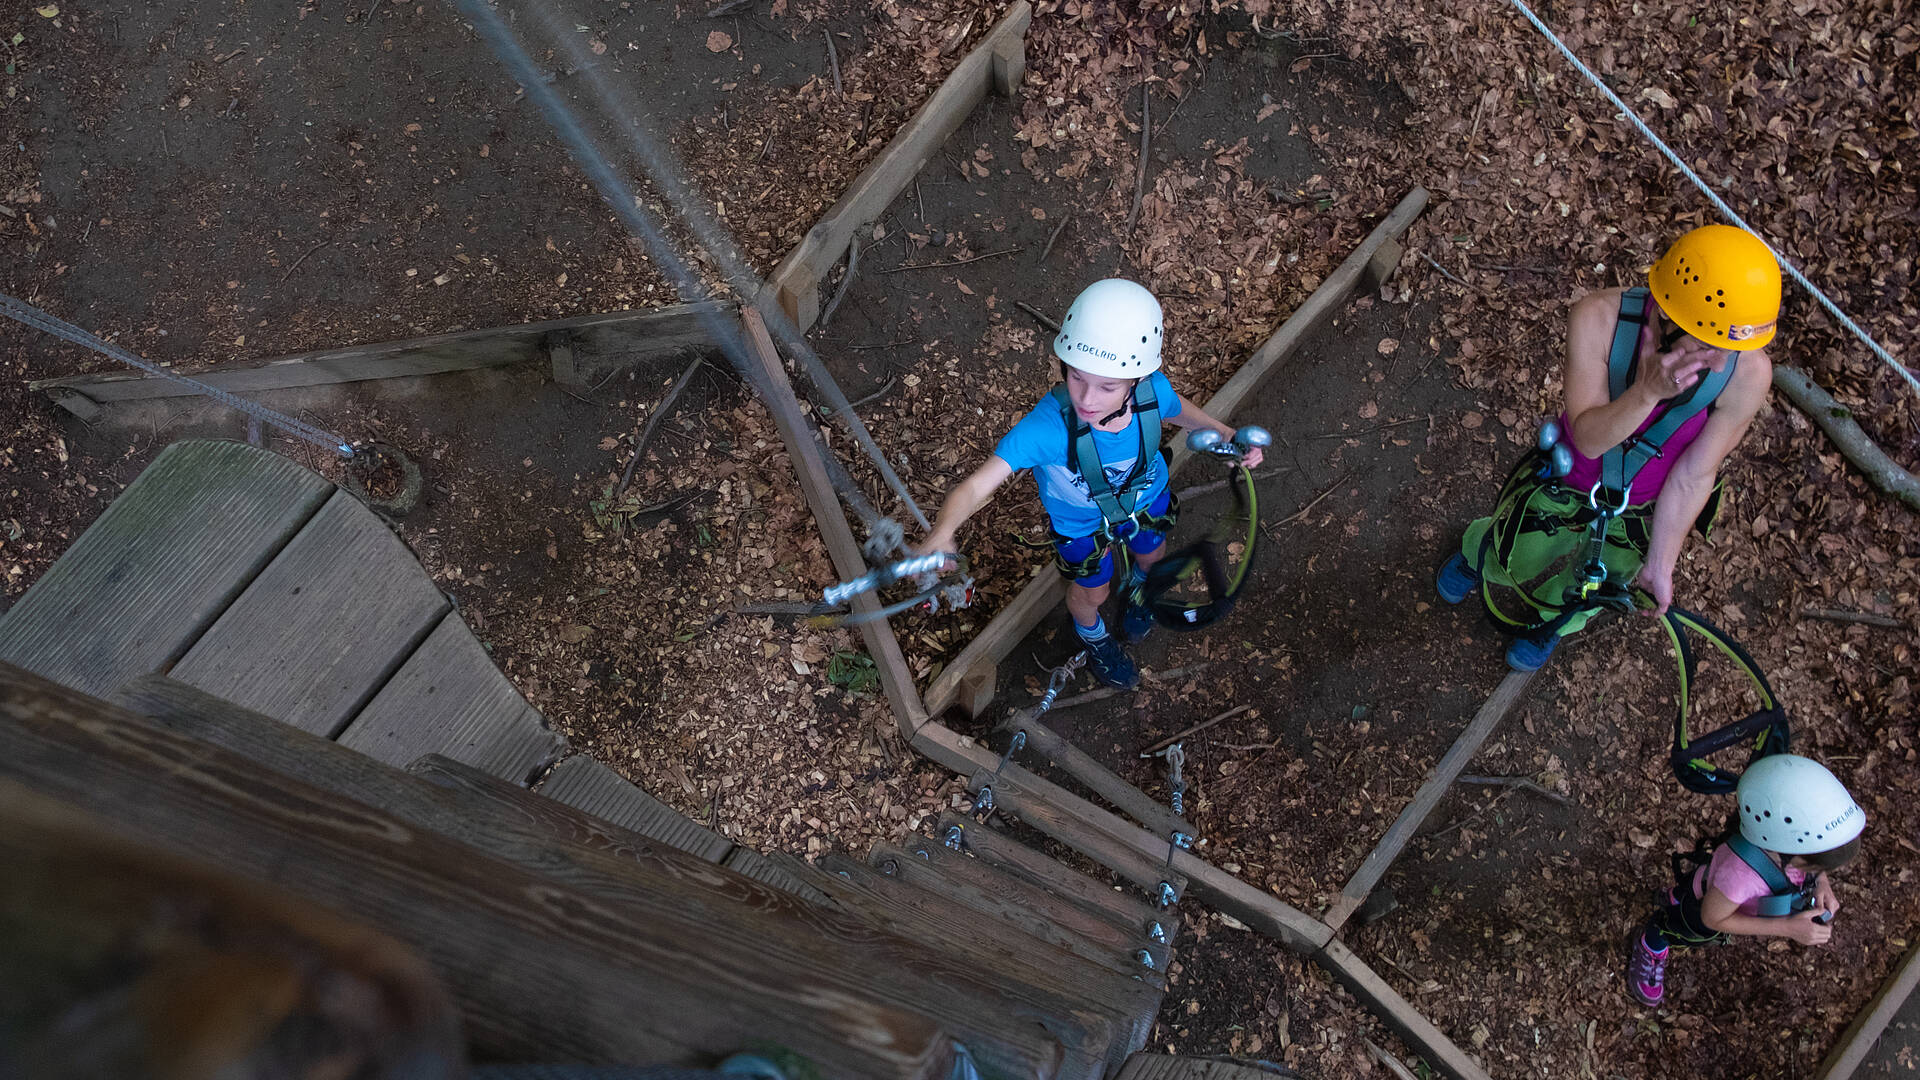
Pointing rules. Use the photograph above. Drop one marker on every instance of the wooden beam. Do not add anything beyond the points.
(1406, 1021)
(169, 964)
(1014, 621)
(795, 283)
(625, 871)
(1205, 882)
(1097, 778)
(895, 677)
(633, 334)
(1505, 697)
(1856, 1043)
(541, 971)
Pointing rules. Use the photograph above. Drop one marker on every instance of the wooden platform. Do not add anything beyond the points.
(235, 571)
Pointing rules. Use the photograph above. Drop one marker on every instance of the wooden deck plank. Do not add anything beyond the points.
(450, 699)
(745, 860)
(998, 849)
(1145, 1066)
(323, 626)
(585, 784)
(634, 335)
(156, 570)
(541, 970)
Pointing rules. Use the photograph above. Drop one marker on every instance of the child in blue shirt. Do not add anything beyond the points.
(1093, 444)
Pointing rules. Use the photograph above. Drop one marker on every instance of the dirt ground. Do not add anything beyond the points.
(222, 183)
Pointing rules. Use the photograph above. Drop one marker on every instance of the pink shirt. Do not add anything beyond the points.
(1653, 477)
(1737, 881)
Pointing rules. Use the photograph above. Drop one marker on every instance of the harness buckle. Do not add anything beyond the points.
(1594, 503)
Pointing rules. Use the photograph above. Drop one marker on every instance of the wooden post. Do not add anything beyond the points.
(1043, 593)
(634, 334)
(1406, 1021)
(1374, 867)
(1009, 65)
(541, 971)
(895, 677)
(795, 283)
(172, 966)
(1857, 1041)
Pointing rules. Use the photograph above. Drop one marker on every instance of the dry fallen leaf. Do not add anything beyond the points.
(719, 41)
(1388, 346)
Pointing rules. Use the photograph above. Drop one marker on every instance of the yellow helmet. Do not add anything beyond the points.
(1720, 284)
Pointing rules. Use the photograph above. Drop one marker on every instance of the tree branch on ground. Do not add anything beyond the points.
(1837, 421)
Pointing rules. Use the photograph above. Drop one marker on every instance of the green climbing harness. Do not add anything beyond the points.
(1567, 554)
(1239, 527)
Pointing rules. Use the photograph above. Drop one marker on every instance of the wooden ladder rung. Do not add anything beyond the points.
(1024, 796)
(955, 878)
(998, 850)
(1098, 779)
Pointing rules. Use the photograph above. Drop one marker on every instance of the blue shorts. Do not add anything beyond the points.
(1088, 560)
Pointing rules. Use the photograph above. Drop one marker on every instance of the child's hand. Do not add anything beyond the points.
(1253, 457)
(1804, 930)
(938, 543)
(1823, 894)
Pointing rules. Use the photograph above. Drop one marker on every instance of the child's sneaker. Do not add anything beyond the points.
(1136, 618)
(1110, 664)
(1528, 653)
(1646, 972)
(1456, 580)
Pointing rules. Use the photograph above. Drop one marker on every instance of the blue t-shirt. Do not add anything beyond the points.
(1039, 442)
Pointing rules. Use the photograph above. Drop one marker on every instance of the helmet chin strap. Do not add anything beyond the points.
(1116, 414)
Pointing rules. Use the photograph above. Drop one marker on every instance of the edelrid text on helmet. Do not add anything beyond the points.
(1113, 330)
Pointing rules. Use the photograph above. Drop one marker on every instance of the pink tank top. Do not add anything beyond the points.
(1652, 477)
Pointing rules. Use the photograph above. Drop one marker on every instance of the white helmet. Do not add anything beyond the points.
(1112, 330)
(1794, 806)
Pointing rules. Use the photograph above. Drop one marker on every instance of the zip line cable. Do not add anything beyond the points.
(1718, 203)
(693, 213)
(23, 312)
(643, 223)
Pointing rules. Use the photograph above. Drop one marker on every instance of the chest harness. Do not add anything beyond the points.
(1117, 505)
(1535, 501)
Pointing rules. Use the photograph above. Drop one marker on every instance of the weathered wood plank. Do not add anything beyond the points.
(1086, 1024)
(323, 626)
(1097, 778)
(1856, 1043)
(161, 958)
(636, 334)
(160, 565)
(622, 868)
(541, 971)
(993, 891)
(1406, 1021)
(795, 283)
(1043, 593)
(750, 863)
(1374, 866)
(1002, 851)
(1144, 1066)
(895, 677)
(585, 784)
(449, 698)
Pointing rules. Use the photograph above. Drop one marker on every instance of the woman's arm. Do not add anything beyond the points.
(965, 500)
(1597, 422)
(1692, 478)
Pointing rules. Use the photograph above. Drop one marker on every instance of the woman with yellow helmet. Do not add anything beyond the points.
(1661, 383)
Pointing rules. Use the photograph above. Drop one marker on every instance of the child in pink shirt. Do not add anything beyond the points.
(1770, 878)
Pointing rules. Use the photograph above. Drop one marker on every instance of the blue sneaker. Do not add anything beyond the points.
(1456, 581)
(1110, 664)
(1136, 618)
(1527, 654)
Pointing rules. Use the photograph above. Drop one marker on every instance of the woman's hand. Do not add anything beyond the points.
(1253, 457)
(1668, 374)
(1659, 585)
